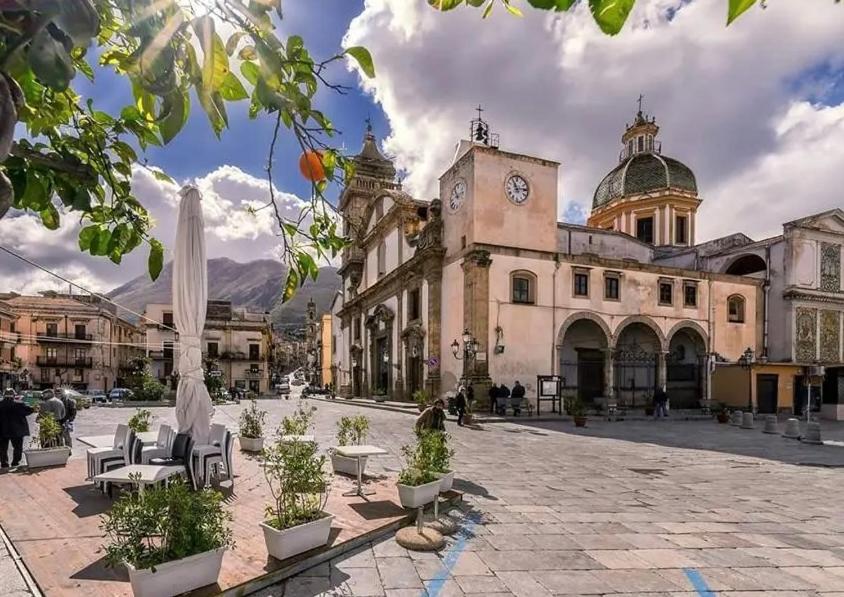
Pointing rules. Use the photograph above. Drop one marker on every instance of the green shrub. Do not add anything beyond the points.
(299, 422)
(149, 390)
(252, 421)
(163, 524)
(421, 398)
(436, 445)
(352, 430)
(140, 421)
(49, 432)
(419, 461)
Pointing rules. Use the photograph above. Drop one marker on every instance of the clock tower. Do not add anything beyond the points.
(492, 196)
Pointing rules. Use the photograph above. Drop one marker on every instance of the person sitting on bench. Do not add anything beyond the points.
(517, 396)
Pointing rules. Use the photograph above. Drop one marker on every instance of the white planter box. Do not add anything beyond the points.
(290, 542)
(41, 457)
(251, 444)
(446, 480)
(178, 576)
(420, 495)
(346, 465)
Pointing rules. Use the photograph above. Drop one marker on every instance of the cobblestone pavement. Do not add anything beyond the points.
(636, 508)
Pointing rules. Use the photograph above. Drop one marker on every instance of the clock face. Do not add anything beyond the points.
(517, 189)
(458, 195)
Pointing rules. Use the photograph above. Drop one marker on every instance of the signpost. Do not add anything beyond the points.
(549, 388)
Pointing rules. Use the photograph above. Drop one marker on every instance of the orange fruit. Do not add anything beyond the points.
(310, 165)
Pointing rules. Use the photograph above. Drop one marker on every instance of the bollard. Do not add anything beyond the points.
(792, 429)
(770, 424)
(747, 421)
(736, 420)
(813, 433)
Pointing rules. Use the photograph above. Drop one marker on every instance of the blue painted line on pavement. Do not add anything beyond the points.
(698, 582)
(436, 585)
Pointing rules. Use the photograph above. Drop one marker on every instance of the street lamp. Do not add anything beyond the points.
(746, 362)
(470, 347)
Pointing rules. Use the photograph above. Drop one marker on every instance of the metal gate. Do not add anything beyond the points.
(635, 375)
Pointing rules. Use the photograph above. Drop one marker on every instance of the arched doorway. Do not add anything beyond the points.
(582, 351)
(635, 361)
(746, 265)
(686, 367)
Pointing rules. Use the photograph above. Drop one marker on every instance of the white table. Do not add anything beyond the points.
(107, 441)
(147, 474)
(358, 452)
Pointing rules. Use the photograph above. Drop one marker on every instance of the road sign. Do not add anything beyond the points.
(433, 362)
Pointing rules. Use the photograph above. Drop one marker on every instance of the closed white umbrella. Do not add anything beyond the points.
(190, 297)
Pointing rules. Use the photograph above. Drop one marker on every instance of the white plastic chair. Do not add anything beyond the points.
(213, 449)
(161, 448)
(97, 456)
(220, 462)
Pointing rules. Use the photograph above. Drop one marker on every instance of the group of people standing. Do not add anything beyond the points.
(14, 426)
(499, 394)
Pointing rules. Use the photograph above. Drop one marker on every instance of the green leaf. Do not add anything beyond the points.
(488, 9)
(231, 43)
(102, 240)
(611, 14)
(250, 72)
(88, 237)
(176, 108)
(291, 284)
(36, 194)
(512, 9)
(363, 58)
(50, 61)
(81, 199)
(558, 5)
(232, 89)
(215, 62)
(247, 53)
(159, 175)
(736, 8)
(156, 258)
(50, 217)
(215, 108)
(445, 4)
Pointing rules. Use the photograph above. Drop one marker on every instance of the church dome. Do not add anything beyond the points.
(644, 172)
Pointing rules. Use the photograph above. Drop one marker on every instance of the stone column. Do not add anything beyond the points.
(433, 276)
(661, 369)
(476, 319)
(398, 380)
(609, 375)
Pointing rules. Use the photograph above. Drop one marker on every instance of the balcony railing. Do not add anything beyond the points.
(250, 374)
(62, 362)
(161, 355)
(72, 337)
(239, 356)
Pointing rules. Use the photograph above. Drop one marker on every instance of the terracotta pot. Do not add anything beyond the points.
(580, 421)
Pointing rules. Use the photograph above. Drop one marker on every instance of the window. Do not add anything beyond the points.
(735, 309)
(51, 354)
(167, 318)
(52, 329)
(379, 209)
(611, 287)
(414, 307)
(581, 284)
(630, 147)
(645, 230)
(523, 287)
(79, 331)
(167, 351)
(666, 293)
(254, 352)
(681, 235)
(640, 140)
(77, 374)
(253, 368)
(79, 354)
(12, 327)
(213, 350)
(357, 330)
(333, 344)
(382, 259)
(689, 294)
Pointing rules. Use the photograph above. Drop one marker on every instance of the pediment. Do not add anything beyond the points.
(828, 221)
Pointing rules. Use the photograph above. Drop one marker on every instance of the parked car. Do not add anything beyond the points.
(82, 401)
(31, 397)
(99, 397)
(120, 394)
(282, 388)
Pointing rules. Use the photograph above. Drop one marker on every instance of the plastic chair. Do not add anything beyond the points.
(180, 454)
(98, 456)
(161, 448)
(214, 448)
(219, 460)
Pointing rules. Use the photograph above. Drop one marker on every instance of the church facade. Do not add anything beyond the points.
(484, 284)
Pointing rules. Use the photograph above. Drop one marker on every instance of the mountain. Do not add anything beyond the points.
(256, 285)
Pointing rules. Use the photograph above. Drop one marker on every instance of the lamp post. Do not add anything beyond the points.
(470, 347)
(746, 362)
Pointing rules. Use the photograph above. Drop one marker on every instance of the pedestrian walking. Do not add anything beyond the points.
(432, 418)
(516, 397)
(69, 416)
(460, 405)
(13, 428)
(660, 403)
(493, 398)
(50, 405)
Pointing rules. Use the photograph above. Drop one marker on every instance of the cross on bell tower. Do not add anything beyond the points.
(479, 131)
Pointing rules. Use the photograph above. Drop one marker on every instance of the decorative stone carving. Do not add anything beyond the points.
(432, 234)
(380, 317)
(477, 257)
(805, 334)
(830, 336)
(830, 267)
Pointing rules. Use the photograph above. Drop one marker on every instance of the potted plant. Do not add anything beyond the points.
(578, 412)
(380, 395)
(440, 455)
(140, 421)
(417, 484)
(421, 398)
(351, 431)
(296, 519)
(47, 448)
(170, 538)
(251, 436)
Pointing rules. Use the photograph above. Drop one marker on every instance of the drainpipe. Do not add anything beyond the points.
(767, 288)
(711, 331)
(554, 308)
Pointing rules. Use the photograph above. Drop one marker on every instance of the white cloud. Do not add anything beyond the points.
(555, 86)
(231, 231)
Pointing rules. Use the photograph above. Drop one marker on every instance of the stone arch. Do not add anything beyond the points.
(686, 323)
(583, 315)
(745, 265)
(644, 320)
